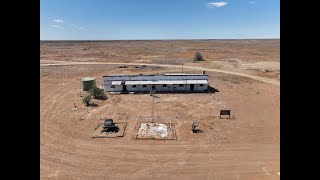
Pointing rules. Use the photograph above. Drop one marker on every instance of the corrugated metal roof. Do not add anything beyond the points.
(116, 82)
(167, 74)
(116, 75)
(167, 82)
(140, 82)
(197, 82)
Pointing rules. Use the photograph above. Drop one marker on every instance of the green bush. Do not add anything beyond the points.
(96, 92)
(198, 57)
(86, 100)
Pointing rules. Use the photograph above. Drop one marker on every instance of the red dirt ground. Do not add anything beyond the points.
(245, 147)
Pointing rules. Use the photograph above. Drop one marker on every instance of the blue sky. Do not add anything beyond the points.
(159, 19)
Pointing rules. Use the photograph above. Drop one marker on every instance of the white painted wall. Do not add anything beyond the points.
(167, 88)
(178, 88)
(117, 88)
(144, 89)
(197, 87)
(130, 88)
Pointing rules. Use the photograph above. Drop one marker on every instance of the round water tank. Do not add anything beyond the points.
(87, 83)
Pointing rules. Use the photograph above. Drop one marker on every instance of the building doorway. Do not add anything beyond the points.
(191, 87)
(124, 88)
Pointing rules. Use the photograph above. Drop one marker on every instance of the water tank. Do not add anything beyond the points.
(87, 83)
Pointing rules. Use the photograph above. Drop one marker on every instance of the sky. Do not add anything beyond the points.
(159, 19)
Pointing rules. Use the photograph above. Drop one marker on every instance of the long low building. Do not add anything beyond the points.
(160, 83)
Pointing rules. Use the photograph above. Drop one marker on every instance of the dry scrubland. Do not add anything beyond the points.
(245, 147)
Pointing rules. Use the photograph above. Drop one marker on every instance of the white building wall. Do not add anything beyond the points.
(187, 87)
(197, 87)
(117, 88)
(159, 88)
(178, 88)
(131, 88)
(143, 89)
(167, 88)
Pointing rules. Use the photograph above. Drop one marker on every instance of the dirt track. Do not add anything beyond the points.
(65, 63)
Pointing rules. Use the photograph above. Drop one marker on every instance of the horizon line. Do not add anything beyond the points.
(158, 39)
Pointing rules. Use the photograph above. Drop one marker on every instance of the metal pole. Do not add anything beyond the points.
(152, 107)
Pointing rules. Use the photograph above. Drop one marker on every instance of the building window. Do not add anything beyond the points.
(112, 86)
(164, 85)
(180, 85)
(134, 86)
(144, 85)
(201, 85)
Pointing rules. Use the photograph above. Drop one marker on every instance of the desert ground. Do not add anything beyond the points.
(246, 74)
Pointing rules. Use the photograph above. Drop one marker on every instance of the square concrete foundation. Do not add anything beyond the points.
(155, 131)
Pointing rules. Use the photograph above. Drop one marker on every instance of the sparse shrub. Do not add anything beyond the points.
(198, 57)
(86, 100)
(96, 92)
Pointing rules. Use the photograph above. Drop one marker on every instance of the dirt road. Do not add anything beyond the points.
(65, 63)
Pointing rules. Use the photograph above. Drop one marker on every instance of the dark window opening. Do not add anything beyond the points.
(164, 85)
(134, 86)
(181, 85)
(201, 85)
(112, 86)
(144, 85)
